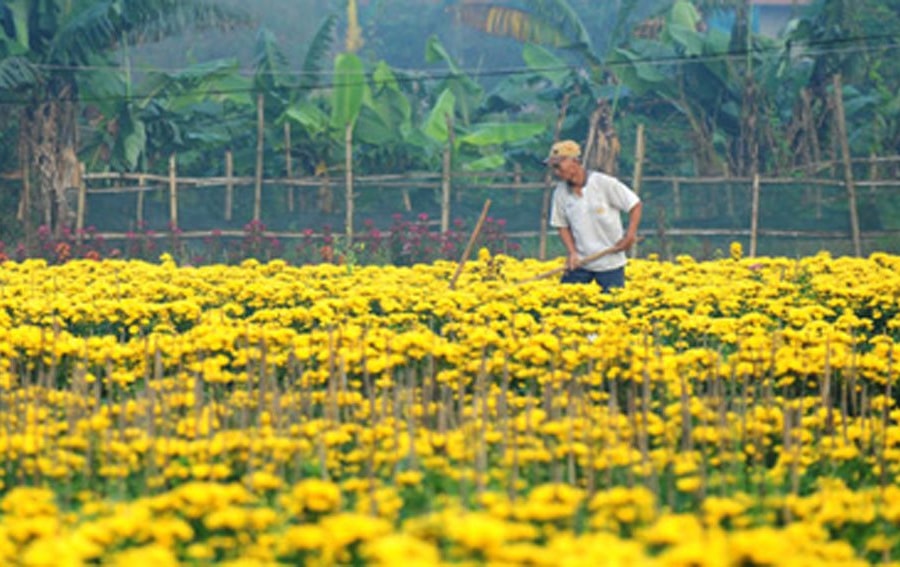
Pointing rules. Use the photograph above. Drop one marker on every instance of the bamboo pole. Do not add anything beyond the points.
(754, 215)
(139, 213)
(848, 166)
(348, 163)
(445, 178)
(545, 201)
(79, 213)
(229, 184)
(288, 164)
(471, 244)
(676, 197)
(582, 262)
(173, 193)
(260, 141)
(637, 177)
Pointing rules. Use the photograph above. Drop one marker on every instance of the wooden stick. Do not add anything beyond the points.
(471, 244)
(260, 153)
(582, 262)
(848, 167)
(173, 193)
(754, 215)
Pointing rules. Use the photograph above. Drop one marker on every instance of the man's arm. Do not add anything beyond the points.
(634, 220)
(565, 234)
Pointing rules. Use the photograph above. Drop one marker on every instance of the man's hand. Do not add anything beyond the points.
(626, 242)
(572, 261)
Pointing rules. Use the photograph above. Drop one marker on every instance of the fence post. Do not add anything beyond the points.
(260, 141)
(848, 166)
(173, 194)
(676, 197)
(229, 184)
(82, 194)
(754, 215)
(445, 177)
(142, 182)
(545, 200)
(289, 166)
(638, 176)
(348, 162)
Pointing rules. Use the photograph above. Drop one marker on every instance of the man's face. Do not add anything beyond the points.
(563, 168)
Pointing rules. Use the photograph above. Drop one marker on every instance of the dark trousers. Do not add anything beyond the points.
(607, 280)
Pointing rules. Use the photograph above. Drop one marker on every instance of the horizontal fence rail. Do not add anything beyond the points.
(668, 196)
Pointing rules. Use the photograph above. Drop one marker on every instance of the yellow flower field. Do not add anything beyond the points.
(731, 412)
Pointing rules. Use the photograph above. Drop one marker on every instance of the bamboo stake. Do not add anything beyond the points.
(229, 184)
(142, 181)
(848, 167)
(471, 244)
(260, 148)
(348, 161)
(637, 177)
(82, 190)
(676, 197)
(754, 215)
(582, 262)
(289, 170)
(173, 193)
(445, 177)
(545, 201)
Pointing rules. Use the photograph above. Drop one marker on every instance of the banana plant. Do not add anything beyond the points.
(480, 136)
(53, 44)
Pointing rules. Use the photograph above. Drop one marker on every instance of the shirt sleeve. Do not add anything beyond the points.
(557, 212)
(621, 196)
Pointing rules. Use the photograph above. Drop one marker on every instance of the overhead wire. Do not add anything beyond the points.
(835, 46)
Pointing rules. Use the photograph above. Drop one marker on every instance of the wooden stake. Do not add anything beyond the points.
(582, 262)
(754, 215)
(260, 141)
(288, 164)
(348, 160)
(79, 216)
(142, 182)
(229, 184)
(471, 244)
(545, 201)
(638, 176)
(173, 193)
(445, 177)
(848, 166)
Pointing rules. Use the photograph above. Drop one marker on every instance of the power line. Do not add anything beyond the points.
(837, 46)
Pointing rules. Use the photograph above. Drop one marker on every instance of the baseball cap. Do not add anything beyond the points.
(564, 149)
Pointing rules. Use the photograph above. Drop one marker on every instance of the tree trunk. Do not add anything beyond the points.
(603, 147)
(50, 131)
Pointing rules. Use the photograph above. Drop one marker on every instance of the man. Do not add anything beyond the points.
(586, 209)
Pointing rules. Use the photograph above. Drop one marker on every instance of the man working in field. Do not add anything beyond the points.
(586, 209)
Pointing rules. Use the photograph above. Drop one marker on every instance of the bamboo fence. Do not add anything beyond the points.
(444, 184)
(450, 181)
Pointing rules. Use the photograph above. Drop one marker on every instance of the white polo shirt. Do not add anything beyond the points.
(595, 217)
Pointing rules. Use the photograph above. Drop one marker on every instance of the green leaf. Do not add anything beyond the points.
(372, 129)
(316, 53)
(435, 126)
(545, 63)
(434, 52)
(687, 38)
(19, 11)
(641, 77)
(487, 163)
(384, 78)
(491, 134)
(132, 139)
(307, 115)
(684, 14)
(349, 89)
